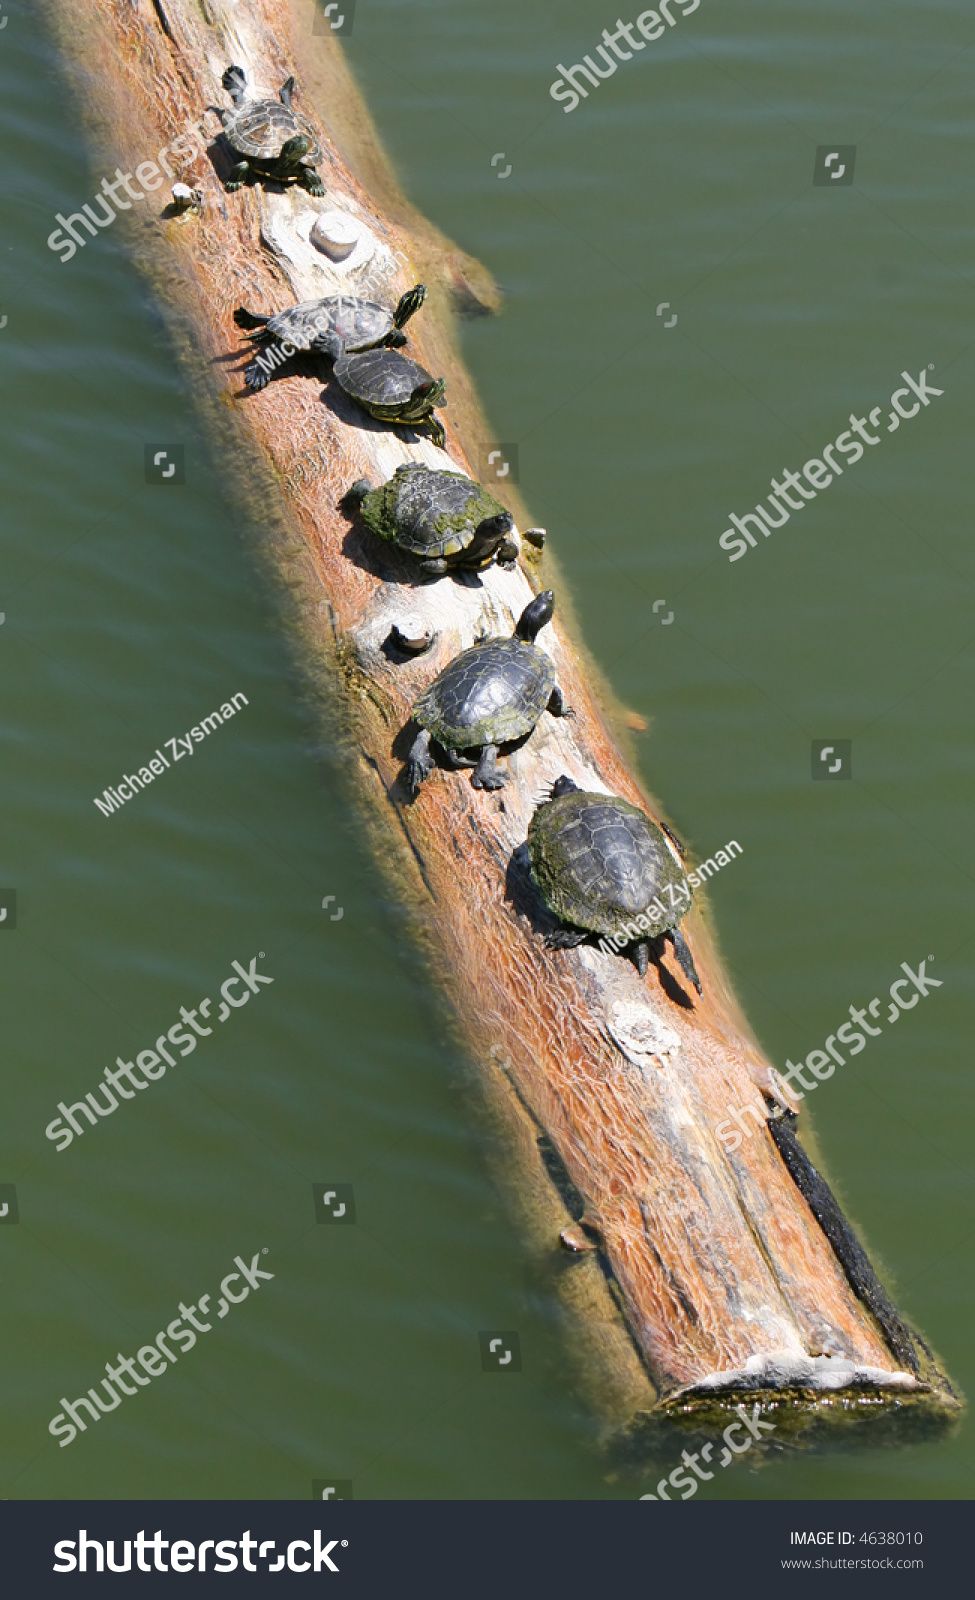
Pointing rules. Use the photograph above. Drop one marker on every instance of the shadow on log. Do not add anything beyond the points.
(717, 1277)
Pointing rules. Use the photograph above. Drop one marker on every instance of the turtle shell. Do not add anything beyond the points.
(432, 514)
(600, 863)
(358, 323)
(261, 129)
(380, 377)
(490, 694)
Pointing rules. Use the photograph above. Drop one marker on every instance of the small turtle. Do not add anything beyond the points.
(331, 326)
(489, 695)
(393, 388)
(443, 518)
(604, 868)
(269, 137)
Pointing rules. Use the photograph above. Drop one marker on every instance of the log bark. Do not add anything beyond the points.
(717, 1274)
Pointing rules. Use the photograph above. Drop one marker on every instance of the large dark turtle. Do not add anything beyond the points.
(393, 388)
(489, 695)
(269, 138)
(331, 326)
(604, 868)
(442, 518)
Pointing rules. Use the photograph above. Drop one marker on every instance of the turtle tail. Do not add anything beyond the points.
(249, 319)
(234, 81)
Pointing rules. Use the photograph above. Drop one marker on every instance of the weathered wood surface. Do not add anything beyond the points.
(725, 1277)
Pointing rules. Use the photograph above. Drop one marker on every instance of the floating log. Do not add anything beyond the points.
(716, 1275)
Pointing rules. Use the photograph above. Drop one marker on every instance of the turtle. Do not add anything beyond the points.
(604, 868)
(331, 326)
(393, 388)
(443, 518)
(269, 137)
(487, 696)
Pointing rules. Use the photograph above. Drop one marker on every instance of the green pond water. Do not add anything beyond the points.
(132, 610)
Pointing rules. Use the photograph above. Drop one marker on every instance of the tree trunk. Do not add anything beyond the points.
(716, 1273)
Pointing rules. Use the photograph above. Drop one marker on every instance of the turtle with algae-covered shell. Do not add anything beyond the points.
(332, 326)
(489, 695)
(269, 138)
(604, 868)
(443, 518)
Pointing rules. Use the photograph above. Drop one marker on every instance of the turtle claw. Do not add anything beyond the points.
(685, 958)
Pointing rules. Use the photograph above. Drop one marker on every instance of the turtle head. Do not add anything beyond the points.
(353, 497)
(410, 304)
(491, 539)
(293, 150)
(234, 81)
(432, 393)
(535, 615)
(563, 786)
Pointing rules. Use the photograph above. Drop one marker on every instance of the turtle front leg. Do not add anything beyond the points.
(640, 955)
(557, 705)
(684, 956)
(239, 175)
(436, 432)
(310, 180)
(419, 762)
(328, 344)
(565, 939)
(486, 774)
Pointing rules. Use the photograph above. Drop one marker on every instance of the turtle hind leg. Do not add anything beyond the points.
(486, 774)
(684, 956)
(239, 175)
(328, 344)
(457, 761)
(419, 763)
(310, 180)
(557, 706)
(249, 319)
(566, 938)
